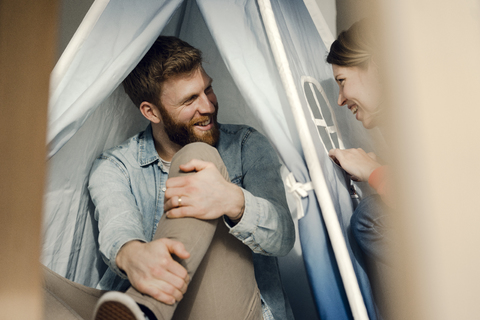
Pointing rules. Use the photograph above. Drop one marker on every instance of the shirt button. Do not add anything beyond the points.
(164, 189)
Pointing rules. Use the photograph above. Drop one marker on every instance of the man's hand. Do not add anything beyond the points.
(151, 269)
(356, 162)
(204, 195)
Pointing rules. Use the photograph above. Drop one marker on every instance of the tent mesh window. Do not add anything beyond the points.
(321, 113)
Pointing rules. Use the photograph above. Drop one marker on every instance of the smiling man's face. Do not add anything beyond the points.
(189, 109)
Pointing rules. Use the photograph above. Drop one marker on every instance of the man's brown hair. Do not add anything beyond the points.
(167, 58)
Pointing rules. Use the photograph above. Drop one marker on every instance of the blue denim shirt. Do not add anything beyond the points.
(127, 186)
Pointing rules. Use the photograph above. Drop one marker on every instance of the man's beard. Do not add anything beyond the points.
(183, 134)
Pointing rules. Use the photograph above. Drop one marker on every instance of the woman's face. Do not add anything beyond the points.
(360, 90)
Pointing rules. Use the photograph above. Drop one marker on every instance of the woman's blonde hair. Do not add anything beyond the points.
(356, 46)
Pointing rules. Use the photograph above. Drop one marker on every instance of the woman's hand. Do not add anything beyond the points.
(356, 162)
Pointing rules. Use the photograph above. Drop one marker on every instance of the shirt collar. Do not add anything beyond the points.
(147, 153)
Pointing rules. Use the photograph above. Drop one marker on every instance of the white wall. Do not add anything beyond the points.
(329, 10)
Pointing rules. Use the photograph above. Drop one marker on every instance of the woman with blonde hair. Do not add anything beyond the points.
(355, 63)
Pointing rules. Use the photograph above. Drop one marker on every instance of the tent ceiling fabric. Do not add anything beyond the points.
(117, 42)
(89, 112)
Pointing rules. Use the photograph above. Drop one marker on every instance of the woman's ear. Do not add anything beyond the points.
(150, 111)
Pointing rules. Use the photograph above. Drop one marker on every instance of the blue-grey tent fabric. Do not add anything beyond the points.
(89, 112)
(306, 56)
(120, 38)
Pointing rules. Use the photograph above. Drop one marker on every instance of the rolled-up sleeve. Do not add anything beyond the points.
(119, 219)
(266, 225)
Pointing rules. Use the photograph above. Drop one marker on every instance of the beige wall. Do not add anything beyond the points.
(349, 11)
(434, 81)
(27, 34)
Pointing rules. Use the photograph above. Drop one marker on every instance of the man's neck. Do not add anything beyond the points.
(166, 149)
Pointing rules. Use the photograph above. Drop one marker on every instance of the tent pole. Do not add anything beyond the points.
(342, 256)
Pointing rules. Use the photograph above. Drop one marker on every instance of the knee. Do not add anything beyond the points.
(200, 151)
(198, 147)
(196, 150)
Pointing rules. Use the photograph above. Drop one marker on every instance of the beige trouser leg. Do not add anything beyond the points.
(223, 282)
(67, 300)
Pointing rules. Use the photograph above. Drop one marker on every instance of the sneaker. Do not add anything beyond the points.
(116, 305)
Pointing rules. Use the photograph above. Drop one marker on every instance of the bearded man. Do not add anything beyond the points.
(189, 210)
